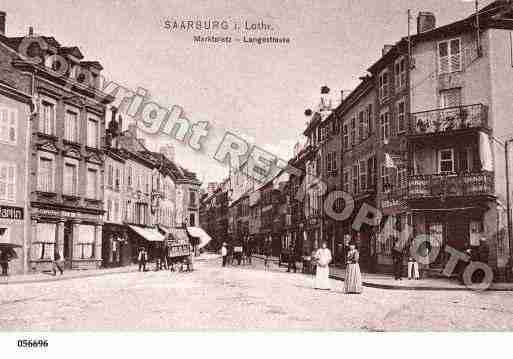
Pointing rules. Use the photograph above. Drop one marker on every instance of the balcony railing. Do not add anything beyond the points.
(441, 185)
(449, 119)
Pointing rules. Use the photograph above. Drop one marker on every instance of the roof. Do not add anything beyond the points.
(491, 16)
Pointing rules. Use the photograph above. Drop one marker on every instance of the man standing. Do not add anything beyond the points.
(143, 256)
(291, 259)
(224, 253)
(58, 262)
(397, 257)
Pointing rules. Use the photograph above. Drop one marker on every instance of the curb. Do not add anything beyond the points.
(396, 287)
(61, 278)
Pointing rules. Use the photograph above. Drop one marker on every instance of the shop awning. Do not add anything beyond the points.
(179, 234)
(150, 234)
(202, 236)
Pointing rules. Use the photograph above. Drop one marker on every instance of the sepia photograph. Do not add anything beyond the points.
(240, 166)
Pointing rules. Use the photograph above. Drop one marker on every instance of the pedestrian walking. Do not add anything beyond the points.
(413, 265)
(142, 258)
(58, 262)
(267, 254)
(322, 275)
(224, 253)
(397, 258)
(4, 261)
(353, 279)
(248, 252)
(291, 265)
(237, 252)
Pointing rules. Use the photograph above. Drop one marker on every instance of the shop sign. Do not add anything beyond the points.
(67, 214)
(8, 212)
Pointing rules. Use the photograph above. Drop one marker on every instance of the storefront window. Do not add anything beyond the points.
(84, 246)
(43, 246)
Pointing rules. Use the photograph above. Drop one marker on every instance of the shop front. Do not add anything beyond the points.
(76, 235)
(116, 249)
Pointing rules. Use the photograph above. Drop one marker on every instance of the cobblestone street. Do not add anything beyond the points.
(240, 298)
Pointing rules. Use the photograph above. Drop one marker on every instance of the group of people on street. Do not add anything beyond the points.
(477, 253)
(353, 276)
(238, 253)
(163, 261)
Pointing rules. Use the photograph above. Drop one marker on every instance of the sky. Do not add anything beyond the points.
(257, 91)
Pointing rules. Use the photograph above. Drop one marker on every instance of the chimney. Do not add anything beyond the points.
(3, 15)
(31, 31)
(386, 49)
(341, 96)
(168, 151)
(426, 21)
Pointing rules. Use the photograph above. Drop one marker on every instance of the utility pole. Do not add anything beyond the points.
(508, 206)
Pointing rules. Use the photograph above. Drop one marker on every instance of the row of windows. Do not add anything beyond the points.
(47, 172)
(47, 123)
(361, 176)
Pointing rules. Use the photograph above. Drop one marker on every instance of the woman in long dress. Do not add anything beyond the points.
(353, 280)
(323, 259)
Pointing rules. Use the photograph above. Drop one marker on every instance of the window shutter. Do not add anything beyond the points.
(455, 60)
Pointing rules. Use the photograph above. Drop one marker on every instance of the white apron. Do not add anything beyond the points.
(322, 279)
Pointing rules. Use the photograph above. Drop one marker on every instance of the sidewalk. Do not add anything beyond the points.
(73, 274)
(69, 274)
(385, 281)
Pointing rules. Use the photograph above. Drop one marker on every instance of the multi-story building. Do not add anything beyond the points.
(444, 119)
(356, 135)
(15, 104)
(187, 199)
(66, 164)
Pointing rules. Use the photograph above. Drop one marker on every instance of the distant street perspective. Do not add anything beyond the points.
(241, 297)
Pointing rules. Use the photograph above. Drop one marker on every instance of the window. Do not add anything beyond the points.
(110, 175)
(92, 183)
(345, 137)
(117, 182)
(84, 247)
(450, 98)
(8, 125)
(45, 175)
(363, 175)
(346, 180)
(92, 132)
(446, 161)
(385, 126)
(449, 56)
(109, 209)
(371, 169)
(70, 179)
(355, 178)
(7, 181)
(353, 131)
(331, 163)
(383, 85)
(385, 179)
(43, 246)
(71, 126)
(129, 176)
(370, 119)
(336, 126)
(47, 117)
(401, 116)
(192, 198)
(362, 126)
(400, 73)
